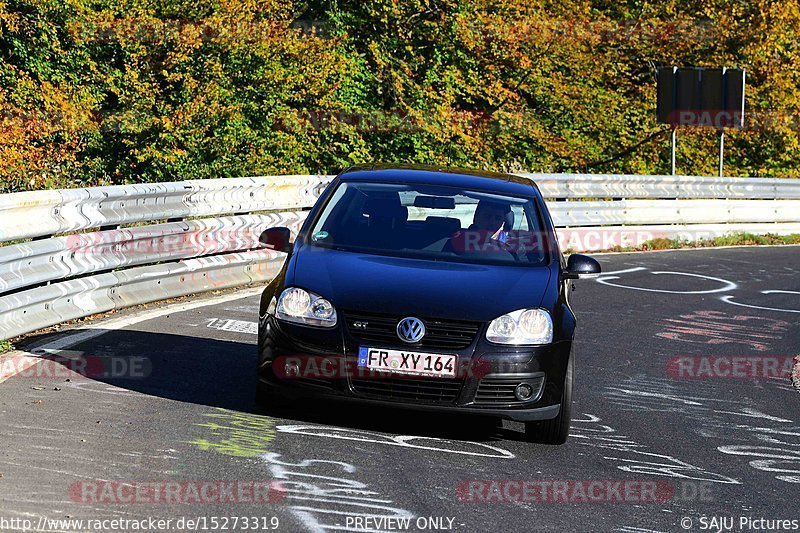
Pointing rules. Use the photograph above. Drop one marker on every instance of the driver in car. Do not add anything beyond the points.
(489, 229)
(495, 217)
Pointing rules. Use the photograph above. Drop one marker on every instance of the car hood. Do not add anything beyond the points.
(404, 286)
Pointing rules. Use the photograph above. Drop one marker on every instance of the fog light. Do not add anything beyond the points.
(523, 392)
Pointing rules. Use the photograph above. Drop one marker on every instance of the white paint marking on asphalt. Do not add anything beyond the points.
(99, 386)
(777, 449)
(670, 397)
(235, 326)
(101, 327)
(780, 292)
(324, 496)
(729, 299)
(397, 440)
(634, 459)
(727, 285)
(251, 309)
(770, 459)
(627, 270)
(754, 413)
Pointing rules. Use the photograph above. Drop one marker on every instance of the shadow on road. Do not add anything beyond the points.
(217, 373)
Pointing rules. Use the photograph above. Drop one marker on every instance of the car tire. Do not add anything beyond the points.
(556, 430)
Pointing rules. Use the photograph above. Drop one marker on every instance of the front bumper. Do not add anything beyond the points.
(491, 371)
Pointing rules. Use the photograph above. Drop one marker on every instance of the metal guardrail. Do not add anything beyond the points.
(628, 212)
(91, 252)
(45, 306)
(37, 262)
(45, 213)
(577, 186)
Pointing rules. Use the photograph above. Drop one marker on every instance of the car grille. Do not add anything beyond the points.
(430, 390)
(496, 391)
(441, 334)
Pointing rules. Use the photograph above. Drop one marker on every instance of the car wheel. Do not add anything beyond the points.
(556, 430)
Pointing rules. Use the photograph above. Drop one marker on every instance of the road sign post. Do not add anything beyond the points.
(700, 97)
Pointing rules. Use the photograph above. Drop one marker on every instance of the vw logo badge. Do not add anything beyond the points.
(411, 329)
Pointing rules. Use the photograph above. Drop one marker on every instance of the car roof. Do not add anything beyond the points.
(445, 176)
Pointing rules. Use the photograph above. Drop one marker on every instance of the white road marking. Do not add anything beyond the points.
(727, 285)
(770, 459)
(325, 496)
(606, 277)
(754, 413)
(780, 292)
(627, 270)
(670, 397)
(397, 440)
(236, 326)
(776, 451)
(633, 458)
(729, 299)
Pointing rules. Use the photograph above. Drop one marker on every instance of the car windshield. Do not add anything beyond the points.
(432, 222)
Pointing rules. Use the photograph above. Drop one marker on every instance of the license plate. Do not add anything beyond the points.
(403, 362)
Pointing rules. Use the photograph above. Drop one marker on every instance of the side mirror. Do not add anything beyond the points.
(278, 239)
(581, 267)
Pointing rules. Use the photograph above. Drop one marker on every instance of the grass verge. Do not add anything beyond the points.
(734, 239)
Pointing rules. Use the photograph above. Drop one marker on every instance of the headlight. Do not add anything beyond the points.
(303, 307)
(526, 326)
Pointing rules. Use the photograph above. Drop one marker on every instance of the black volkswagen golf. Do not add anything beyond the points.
(427, 288)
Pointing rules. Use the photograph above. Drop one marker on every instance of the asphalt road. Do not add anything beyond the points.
(656, 406)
